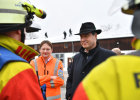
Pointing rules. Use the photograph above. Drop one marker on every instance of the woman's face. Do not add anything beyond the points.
(45, 50)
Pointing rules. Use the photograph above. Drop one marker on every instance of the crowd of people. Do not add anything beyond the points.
(95, 73)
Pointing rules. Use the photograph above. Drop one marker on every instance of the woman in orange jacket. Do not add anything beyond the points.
(49, 70)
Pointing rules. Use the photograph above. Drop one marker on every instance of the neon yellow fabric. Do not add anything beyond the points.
(136, 44)
(18, 80)
(12, 45)
(12, 17)
(114, 79)
(14, 69)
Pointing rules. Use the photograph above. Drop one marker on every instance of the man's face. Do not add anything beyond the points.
(46, 50)
(88, 41)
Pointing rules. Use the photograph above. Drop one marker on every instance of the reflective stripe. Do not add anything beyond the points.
(54, 97)
(56, 66)
(52, 83)
(62, 77)
(39, 77)
(35, 64)
(12, 11)
(36, 69)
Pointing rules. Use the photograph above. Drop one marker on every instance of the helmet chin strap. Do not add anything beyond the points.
(22, 35)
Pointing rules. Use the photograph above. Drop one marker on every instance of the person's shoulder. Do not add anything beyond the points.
(111, 61)
(123, 58)
(76, 56)
(107, 51)
(56, 59)
(37, 58)
(18, 66)
(122, 61)
(23, 64)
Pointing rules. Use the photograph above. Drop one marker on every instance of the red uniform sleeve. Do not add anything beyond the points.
(80, 93)
(23, 86)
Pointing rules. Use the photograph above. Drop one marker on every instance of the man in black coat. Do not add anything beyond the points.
(89, 56)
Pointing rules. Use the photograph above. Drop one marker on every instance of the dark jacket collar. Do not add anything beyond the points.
(92, 51)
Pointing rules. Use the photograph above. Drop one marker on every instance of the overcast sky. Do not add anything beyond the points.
(65, 14)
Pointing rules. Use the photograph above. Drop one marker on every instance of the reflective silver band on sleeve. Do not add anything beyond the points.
(35, 62)
(54, 97)
(52, 84)
(56, 67)
(39, 77)
(62, 77)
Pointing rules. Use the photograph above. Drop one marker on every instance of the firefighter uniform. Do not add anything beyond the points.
(18, 79)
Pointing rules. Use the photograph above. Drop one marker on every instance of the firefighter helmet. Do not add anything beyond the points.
(15, 14)
(133, 8)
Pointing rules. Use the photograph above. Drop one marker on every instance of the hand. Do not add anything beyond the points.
(53, 77)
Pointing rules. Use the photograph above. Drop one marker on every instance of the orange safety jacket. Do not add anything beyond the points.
(53, 67)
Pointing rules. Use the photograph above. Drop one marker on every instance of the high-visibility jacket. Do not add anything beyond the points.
(118, 78)
(18, 79)
(45, 71)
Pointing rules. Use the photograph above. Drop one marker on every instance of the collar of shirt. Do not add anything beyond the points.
(47, 60)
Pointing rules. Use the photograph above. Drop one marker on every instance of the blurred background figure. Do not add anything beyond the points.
(65, 34)
(70, 31)
(46, 35)
(117, 51)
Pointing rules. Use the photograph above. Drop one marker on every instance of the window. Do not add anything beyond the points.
(59, 56)
(65, 45)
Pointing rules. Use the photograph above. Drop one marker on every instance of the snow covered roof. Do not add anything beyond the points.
(59, 39)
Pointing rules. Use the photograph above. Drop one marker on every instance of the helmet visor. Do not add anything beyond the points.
(116, 6)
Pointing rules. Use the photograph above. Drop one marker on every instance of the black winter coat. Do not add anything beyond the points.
(82, 65)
